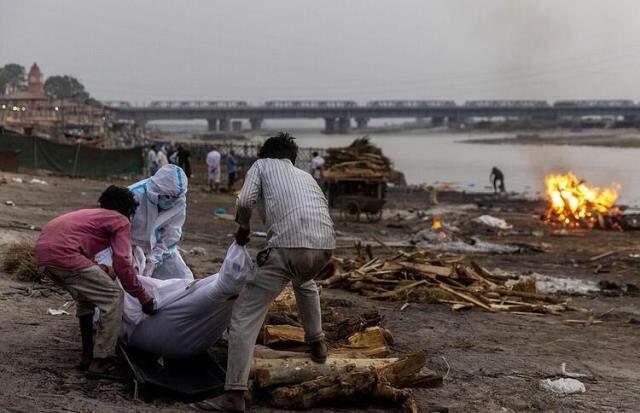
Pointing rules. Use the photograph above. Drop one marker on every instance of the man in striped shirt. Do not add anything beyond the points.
(300, 243)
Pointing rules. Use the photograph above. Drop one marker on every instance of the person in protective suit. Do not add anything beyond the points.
(157, 224)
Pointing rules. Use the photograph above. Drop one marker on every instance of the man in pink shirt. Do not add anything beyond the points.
(65, 251)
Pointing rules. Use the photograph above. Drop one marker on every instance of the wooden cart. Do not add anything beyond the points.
(356, 196)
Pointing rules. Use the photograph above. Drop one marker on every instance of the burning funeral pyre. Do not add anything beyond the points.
(575, 204)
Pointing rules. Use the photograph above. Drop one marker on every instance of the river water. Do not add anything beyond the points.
(437, 158)
(444, 158)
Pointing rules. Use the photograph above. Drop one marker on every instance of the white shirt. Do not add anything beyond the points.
(291, 204)
(162, 159)
(317, 165)
(213, 159)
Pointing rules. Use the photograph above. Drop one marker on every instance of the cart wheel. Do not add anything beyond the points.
(374, 216)
(353, 211)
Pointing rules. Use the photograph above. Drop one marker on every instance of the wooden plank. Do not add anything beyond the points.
(399, 290)
(427, 269)
(466, 297)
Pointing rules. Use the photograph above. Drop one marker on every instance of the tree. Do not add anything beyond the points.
(12, 78)
(65, 87)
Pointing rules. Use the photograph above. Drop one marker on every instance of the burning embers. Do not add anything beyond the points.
(574, 204)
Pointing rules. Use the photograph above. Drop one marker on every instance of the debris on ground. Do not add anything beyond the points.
(414, 277)
(38, 181)
(20, 261)
(442, 239)
(10, 203)
(563, 386)
(197, 251)
(493, 222)
(53, 311)
(554, 285)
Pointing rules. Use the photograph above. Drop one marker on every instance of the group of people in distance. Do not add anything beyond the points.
(147, 218)
(161, 155)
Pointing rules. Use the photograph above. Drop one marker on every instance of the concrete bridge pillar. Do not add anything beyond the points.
(344, 125)
(225, 125)
(212, 125)
(329, 125)
(437, 121)
(256, 123)
(361, 123)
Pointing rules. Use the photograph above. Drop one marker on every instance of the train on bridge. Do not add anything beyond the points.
(350, 104)
(341, 115)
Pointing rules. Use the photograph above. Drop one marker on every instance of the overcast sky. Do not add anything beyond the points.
(364, 49)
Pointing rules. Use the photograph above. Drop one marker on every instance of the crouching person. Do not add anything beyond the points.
(65, 250)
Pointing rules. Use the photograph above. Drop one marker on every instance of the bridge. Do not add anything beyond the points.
(340, 116)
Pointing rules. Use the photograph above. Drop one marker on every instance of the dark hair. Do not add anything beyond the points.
(314, 154)
(281, 146)
(117, 198)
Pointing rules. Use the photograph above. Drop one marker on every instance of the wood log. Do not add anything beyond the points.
(351, 385)
(427, 269)
(397, 291)
(466, 297)
(373, 342)
(264, 352)
(279, 334)
(280, 372)
(425, 379)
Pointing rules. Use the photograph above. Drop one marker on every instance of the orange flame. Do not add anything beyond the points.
(575, 204)
(437, 224)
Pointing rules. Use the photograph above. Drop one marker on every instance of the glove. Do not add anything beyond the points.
(149, 268)
(149, 307)
(242, 236)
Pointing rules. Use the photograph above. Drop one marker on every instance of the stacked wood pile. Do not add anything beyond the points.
(359, 367)
(413, 277)
(360, 160)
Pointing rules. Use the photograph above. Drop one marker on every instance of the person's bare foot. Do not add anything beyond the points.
(231, 401)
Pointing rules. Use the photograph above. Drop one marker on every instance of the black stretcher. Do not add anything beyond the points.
(190, 378)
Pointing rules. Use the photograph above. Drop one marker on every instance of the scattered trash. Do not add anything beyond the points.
(53, 311)
(10, 203)
(17, 180)
(197, 251)
(443, 240)
(220, 211)
(551, 285)
(493, 222)
(563, 386)
(563, 368)
(38, 181)
(259, 234)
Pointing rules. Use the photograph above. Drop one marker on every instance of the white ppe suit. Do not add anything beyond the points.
(157, 224)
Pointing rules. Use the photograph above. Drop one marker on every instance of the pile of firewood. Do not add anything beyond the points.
(359, 367)
(361, 159)
(413, 277)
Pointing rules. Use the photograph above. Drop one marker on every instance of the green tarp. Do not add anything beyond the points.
(76, 160)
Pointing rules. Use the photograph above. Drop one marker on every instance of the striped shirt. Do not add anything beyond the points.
(291, 204)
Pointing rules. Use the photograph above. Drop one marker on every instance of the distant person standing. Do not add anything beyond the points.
(232, 169)
(162, 159)
(495, 177)
(317, 166)
(184, 160)
(213, 167)
(152, 160)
